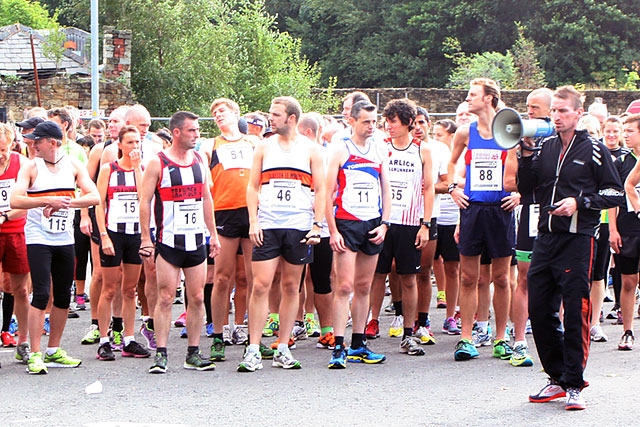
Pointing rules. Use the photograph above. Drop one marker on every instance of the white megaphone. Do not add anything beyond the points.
(509, 128)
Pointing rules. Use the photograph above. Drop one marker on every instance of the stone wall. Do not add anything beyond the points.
(445, 101)
(60, 91)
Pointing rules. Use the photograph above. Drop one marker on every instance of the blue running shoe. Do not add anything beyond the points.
(465, 350)
(364, 355)
(46, 328)
(13, 326)
(338, 358)
(209, 330)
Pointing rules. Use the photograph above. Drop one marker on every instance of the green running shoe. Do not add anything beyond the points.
(159, 364)
(217, 350)
(35, 365)
(502, 350)
(196, 362)
(60, 359)
(272, 326)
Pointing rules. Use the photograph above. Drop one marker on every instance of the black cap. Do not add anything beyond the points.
(242, 125)
(45, 130)
(30, 123)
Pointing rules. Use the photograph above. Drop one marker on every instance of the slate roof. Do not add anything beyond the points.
(16, 58)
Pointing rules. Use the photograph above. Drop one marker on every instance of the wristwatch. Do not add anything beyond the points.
(318, 224)
(426, 224)
(638, 214)
(387, 223)
(452, 187)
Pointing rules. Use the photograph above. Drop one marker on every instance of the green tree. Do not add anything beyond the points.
(185, 53)
(26, 12)
(494, 65)
(529, 75)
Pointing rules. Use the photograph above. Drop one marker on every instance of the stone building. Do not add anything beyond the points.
(64, 79)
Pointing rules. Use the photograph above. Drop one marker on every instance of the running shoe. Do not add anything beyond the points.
(373, 329)
(80, 303)
(149, 335)
(183, 332)
(396, 329)
(60, 359)
(619, 320)
(441, 301)
(626, 342)
(272, 326)
(481, 338)
(92, 336)
(227, 336)
(133, 349)
(13, 325)
(458, 319)
(465, 350)
(35, 365)
(299, 332)
(86, 297)
(613, 314)
(240, 335)
(312, 327)
(597, 334)
(521, 356)
(390, 308)
(338, 358)
(285, 360)
(451, 327)
(575, 402)
(117, 340)
(217, 350)
(266, 352)
(196, 362)
(209, 330)
(502, 350)
(22, 353)
(549, 392)
(528, 329)
(252, 362)
(364, 355)
(328, 340)
(8, 340)
(105, 352)
(72, 314)
(423, 336)
(291, 343)
(46, 327)
(159, 364)
(411, 346)
(181, 321)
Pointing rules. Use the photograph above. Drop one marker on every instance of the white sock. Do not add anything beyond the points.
(127, 340)
(51, 350)
(517, 343)
(283, 347)
(253, 348)
(104, 340)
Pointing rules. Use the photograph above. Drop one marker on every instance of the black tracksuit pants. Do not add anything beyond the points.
(560, 272)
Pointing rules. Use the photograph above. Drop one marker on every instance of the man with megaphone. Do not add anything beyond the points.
(486, 215)
(574, 179)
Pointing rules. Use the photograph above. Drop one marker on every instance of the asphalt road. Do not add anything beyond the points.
(404, 391)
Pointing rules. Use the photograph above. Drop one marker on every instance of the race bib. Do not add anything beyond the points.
(5, 193)
(486, 170)
(124, 208)
(235, 156)
(285, 195)
(534, 216)
(58, 222)
(188, 217)
(361, 198)
(399, 196)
